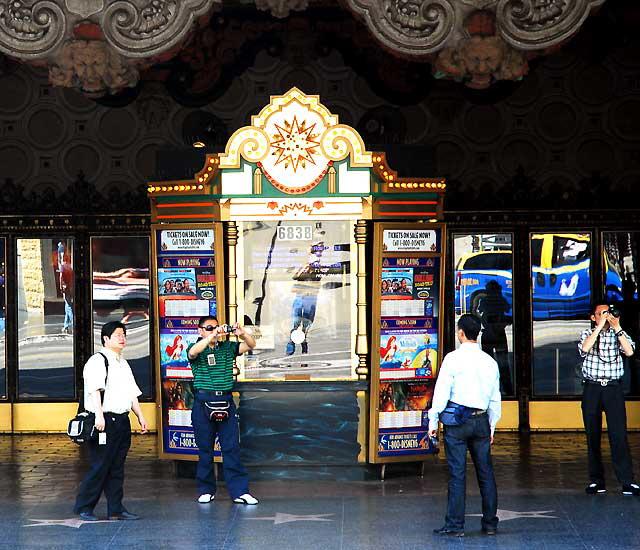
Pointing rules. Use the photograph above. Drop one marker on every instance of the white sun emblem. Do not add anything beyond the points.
(295, 144)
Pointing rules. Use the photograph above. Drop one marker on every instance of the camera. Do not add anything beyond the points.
(227, 329)
(614, 311)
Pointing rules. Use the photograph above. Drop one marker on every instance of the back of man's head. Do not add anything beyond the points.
(470, 325)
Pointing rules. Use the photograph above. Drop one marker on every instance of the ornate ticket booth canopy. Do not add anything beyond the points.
(332, 261)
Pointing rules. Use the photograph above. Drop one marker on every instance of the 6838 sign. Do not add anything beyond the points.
(295, 232)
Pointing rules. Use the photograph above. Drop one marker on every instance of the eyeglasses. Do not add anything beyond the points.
(209, 328)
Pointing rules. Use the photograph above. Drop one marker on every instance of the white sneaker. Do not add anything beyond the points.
(205, 498)
(245, 499)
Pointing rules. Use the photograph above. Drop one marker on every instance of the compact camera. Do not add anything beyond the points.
(614, 311)
(227, 329)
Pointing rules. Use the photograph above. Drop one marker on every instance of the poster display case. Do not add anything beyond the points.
(188, 270)
(407, 328)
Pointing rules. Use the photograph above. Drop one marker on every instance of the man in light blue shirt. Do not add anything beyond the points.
(467, 401)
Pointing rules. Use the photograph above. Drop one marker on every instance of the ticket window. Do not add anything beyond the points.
(297, 289)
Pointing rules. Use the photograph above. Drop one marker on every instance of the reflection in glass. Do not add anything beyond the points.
(120, 292)
(298, 296)
(483, 287)
(3, 358)
(45, 318)
(560, 301)
(621, 256)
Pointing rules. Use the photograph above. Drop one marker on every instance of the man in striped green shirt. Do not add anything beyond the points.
(211, 359)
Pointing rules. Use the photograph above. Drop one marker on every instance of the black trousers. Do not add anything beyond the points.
(610, 399)
(106, 472)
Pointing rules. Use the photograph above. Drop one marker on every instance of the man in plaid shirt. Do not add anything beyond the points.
(602, 369)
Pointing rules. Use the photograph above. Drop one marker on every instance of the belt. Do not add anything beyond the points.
(213, 392)
(116, 414)
(603, 381)
(478, 412)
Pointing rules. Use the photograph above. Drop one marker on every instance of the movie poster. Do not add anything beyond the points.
(186, 283)
(413, 350)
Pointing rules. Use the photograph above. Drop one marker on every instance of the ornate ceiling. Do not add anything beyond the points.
(100, 46)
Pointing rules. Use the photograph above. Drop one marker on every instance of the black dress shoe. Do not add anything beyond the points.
(489, 531)
(446, 532)
(125, 516)
(88, 516)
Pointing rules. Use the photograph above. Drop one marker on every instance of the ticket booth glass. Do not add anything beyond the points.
(298, 298)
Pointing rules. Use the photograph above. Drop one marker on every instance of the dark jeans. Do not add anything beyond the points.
(228, 432)
(106, 472)
(610, 399)
(473, 435)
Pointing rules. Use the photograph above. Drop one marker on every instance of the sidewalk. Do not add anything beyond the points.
(542, 503)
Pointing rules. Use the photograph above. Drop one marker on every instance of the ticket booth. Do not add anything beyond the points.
(332, 261)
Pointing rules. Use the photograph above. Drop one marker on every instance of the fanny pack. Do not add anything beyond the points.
(217, 410)
(455, 415)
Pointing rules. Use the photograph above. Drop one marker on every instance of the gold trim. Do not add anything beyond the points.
(362, 348)
(378, 256)
(220, 301)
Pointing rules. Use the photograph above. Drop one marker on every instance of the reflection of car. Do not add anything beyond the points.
(560, 275)
(474, 271)
(560, 271)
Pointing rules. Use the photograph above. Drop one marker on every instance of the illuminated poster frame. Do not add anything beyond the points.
(185, 252)
(407, 324)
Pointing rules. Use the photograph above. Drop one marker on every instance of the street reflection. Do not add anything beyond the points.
(561, 298)
(45, 318)
(483, 286)
(120, 292)
(621, 255)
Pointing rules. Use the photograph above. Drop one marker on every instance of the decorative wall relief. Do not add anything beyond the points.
(122, 33)
(92, 68)
(481, 57)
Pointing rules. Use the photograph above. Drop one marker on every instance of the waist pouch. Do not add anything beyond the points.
(455, 415)
(217, 410)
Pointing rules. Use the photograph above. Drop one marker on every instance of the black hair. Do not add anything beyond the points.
(109, 328)
(207, 318)
(596, 303)
(470, 325)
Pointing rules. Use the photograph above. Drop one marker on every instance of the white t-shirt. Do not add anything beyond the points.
(121, 386)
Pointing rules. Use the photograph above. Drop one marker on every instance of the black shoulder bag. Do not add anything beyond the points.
(82, 427)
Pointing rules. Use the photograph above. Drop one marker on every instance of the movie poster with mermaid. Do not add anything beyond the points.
(408, 353)
(173, 352)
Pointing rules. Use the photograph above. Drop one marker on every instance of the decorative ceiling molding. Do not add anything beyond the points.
(107, 37)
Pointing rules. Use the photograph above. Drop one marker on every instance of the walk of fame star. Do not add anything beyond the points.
(506, 515)
(70, 522)
(289, 518)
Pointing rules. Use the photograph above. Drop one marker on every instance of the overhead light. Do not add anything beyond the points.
(198, 144)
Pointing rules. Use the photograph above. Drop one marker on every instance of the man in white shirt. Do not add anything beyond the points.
(467, 401)
(109, 452)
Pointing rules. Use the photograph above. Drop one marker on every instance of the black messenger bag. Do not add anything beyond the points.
(82, 427)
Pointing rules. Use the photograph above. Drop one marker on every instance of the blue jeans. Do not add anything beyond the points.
(473, 435)
(303, 311)
(68, 314)
(228, 432)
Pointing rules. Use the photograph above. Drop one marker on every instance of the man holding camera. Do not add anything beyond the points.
(214, 411)
(602, 369)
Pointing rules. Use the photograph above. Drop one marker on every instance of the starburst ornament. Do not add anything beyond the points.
(295, 144)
